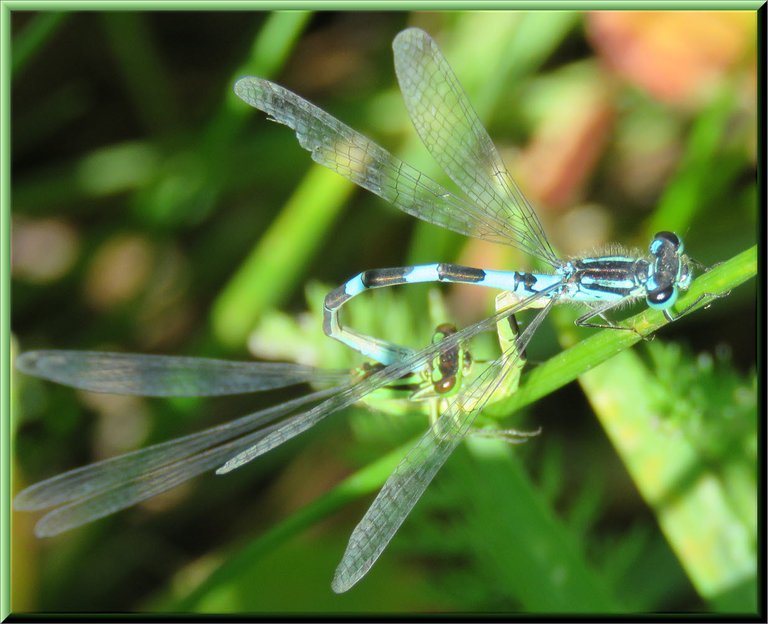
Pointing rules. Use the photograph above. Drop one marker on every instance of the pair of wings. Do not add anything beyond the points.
(85, 494)
(450, 129)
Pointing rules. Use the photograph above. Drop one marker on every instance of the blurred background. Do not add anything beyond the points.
(153, 211)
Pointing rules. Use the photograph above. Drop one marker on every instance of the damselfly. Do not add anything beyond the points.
(443, 376)
(497, 210)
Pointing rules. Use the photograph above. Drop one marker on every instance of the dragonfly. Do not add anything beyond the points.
(495, 209)
(443, 376)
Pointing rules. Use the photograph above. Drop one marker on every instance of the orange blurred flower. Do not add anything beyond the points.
(676, 56)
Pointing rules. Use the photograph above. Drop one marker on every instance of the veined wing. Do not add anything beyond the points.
(416, 470)
(122, 481)
(141, 487)
(165, 375)
(97, 490)
(94, 491)
(347, 152)
(381, 378)
(452, 132)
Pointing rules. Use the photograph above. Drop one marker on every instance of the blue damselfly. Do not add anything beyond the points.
(495, 210)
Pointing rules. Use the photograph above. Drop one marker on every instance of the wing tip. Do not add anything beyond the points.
(338, 587)
(243, 85)
(411, 31)
(406, 38)
(49, 526)
(229, 465)
(347, 574)
(343, 583)
(24, 501)
(29, 362)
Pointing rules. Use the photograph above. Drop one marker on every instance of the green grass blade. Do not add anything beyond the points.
(31, 40)
(272, 268)
(518, 540)
(691, 186)
(689, 493)
(240, 557)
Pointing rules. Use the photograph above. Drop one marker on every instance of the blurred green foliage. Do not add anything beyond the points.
(154, 212)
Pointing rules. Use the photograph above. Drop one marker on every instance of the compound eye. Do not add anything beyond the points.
(669, 237)
(445, 385)
(662, 298)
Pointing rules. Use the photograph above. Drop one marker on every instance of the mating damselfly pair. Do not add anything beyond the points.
(495, 210)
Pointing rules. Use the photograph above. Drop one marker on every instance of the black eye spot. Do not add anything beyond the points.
(669, 237)
(660, 296)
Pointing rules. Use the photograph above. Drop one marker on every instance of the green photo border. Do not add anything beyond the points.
(9, 8)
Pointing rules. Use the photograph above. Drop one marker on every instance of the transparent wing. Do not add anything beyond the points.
(378, 379)
(85, 494)
(164, 375)
(93, 491)
(137, 489)
(353, 156)
(121, 481)
(96, 490)
(416, 470)
(452, 132)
